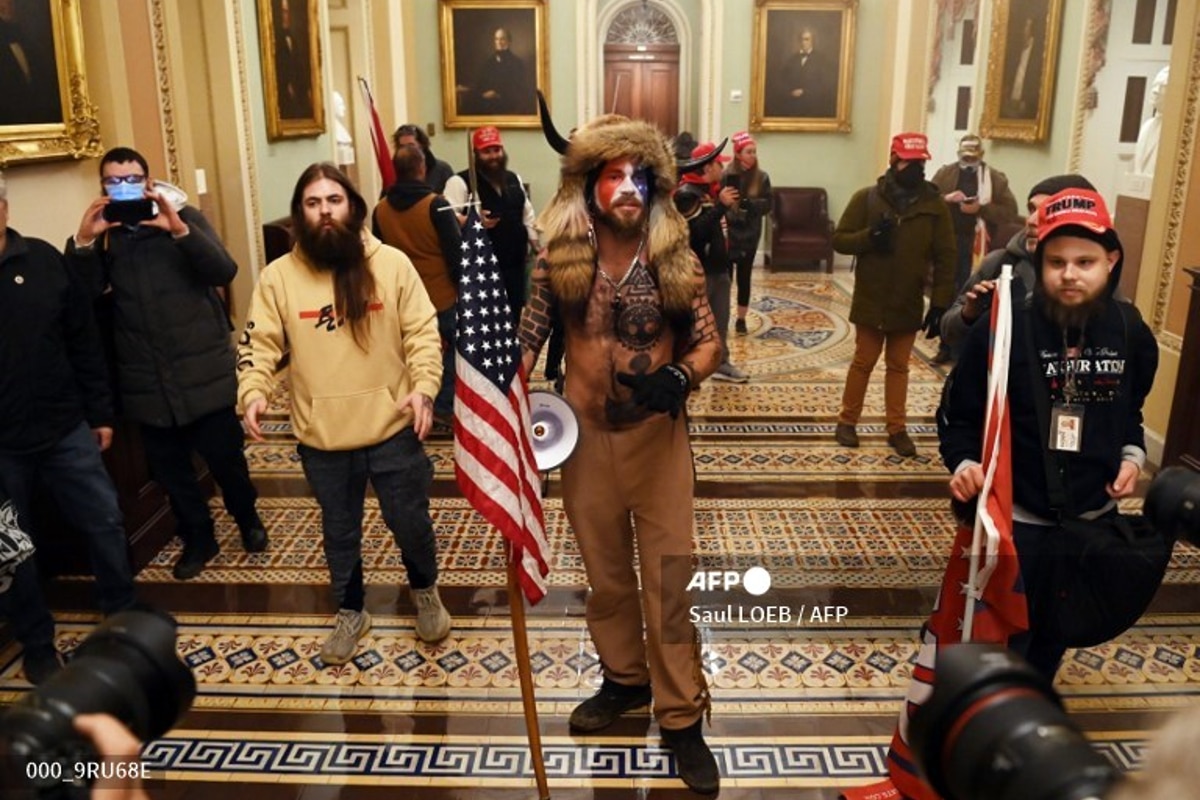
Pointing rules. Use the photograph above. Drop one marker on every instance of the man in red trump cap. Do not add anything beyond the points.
(504, 209)
(895, 230)
(1095, 360)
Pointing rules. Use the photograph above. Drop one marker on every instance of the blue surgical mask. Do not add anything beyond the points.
(126, 191)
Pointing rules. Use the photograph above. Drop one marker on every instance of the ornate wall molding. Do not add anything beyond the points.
(166, 105)
(1181, 174)
(249, 157)
(1091, 61)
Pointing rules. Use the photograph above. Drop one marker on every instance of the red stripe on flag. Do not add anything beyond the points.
(495, 469)
(379, 141)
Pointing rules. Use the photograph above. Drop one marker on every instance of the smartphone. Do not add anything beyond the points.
(130, 212)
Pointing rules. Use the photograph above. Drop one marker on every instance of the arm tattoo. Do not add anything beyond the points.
(535, 320)
(704, 329)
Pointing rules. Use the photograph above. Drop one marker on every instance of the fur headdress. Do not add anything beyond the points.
(571, 252)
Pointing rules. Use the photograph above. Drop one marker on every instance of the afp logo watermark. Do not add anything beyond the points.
(756, 580)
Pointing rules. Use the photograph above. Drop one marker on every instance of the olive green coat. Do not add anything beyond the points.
(889, 288)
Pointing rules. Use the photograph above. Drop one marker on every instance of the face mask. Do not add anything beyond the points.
(968, 166)
(126, 191)
(912, 175)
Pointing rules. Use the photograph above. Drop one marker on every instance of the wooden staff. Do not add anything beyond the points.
(516, 602)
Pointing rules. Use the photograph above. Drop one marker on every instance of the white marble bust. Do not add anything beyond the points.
(342, 139)
(1146, 154)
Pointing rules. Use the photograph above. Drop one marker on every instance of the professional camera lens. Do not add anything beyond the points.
(126, 668)
(993, 729)
(1173, 503)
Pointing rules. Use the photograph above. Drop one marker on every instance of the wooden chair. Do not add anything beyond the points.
(801, 232)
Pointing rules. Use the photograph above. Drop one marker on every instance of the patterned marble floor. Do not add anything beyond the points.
(799, 709)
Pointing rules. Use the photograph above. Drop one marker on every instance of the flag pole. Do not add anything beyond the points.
(997, 371)
(516, 602)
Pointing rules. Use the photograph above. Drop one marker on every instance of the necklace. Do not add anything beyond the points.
(616, 285)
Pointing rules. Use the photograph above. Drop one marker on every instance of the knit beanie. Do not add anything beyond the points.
(1057, 183)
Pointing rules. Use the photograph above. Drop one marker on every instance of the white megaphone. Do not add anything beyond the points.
(555, 429)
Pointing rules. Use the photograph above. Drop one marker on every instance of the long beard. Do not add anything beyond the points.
(1075, 316)
(336, 248)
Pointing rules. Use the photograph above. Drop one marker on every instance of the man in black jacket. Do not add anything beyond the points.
(1095, 364)
(705, 207)
(175, 358)
(57, 412)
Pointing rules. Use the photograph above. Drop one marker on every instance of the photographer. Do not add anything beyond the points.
(1081, 366)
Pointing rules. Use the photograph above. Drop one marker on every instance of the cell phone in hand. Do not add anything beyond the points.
(130, 212)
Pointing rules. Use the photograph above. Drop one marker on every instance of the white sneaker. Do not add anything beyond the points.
(433, 620)
(731, 374)
(348, 627)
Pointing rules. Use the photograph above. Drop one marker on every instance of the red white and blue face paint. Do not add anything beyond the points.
(622, 182)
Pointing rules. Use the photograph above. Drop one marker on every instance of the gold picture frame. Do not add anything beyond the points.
(290, 43)
(45, 111)
(486, 81)
(1022, 63)
(802, 80)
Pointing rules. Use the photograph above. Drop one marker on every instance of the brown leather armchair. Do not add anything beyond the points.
(801, 231)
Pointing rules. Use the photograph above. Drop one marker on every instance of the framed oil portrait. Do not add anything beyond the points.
(494, 57)
(290, 43)
(1022, 62)
(803, 80)
(45, 111)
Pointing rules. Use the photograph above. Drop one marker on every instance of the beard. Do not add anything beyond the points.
(1075, 316)
(493, 169)
(620, 219)
(335, 248)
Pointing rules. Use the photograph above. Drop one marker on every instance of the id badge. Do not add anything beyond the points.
(1066, 428)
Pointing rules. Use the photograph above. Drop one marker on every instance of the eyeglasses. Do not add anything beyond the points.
(117, 180)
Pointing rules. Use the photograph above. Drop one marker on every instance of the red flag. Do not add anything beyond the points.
(493, 455)
(379, 141)
(982, 598)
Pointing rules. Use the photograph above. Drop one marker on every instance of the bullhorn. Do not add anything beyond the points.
(555, 430)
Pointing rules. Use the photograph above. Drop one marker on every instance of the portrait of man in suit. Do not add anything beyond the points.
(1024, 60)
(29, 87)
(803, 63)
(503, 81)
(293, 60)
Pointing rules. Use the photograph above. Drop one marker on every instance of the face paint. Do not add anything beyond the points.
(619, 182)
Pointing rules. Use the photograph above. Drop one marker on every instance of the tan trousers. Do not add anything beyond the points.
(627, 490)
(868, 344)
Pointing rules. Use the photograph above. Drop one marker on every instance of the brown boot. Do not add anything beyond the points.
(846, 435)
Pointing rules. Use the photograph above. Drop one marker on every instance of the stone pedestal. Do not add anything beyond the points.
(1130, 214)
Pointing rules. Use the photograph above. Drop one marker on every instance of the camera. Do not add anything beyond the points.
(1173, 504)
(127, 668)
(130, 212)
(994, 729)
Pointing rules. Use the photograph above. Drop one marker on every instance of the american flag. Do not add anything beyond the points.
(982, 598)
(493, 456)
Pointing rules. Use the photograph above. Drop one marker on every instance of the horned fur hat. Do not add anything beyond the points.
(566, 220)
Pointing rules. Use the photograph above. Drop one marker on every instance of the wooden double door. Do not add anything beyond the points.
(642, 82)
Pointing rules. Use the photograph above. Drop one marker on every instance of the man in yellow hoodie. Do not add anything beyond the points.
(365, 365)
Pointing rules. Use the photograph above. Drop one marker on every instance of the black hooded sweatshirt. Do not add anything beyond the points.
(1114, 373)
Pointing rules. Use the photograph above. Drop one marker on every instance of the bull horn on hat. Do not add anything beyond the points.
(551, 133)
(697, 164)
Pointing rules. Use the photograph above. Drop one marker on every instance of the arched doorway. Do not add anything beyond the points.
(641, 67)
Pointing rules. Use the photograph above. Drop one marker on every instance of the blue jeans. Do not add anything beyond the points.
(401, 474)
(444, 402)
(84, 494)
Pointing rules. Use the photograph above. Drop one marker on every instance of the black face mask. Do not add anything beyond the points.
(912, 176)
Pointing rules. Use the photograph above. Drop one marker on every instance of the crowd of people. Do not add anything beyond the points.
(629, 274)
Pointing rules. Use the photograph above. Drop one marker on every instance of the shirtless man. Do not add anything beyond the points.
(639, 336)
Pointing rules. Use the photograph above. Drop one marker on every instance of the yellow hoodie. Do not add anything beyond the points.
(343, 397)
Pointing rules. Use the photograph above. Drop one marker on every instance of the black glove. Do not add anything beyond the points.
(933, 322)
(665, 389)
(881, 235)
